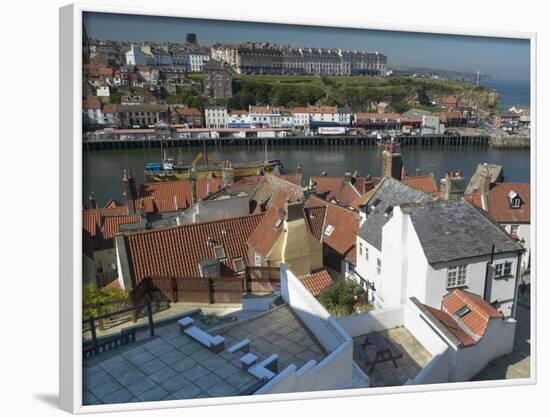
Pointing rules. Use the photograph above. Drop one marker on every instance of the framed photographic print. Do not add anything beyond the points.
(260, 211)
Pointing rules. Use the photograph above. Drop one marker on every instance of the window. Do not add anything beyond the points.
(329, 230)
(219, 252)
(379, 266)
(257, 260)
(366, 254)
(456, 276)
(238, 264)
(503, 269)
(463, 311)
(514, 230)
(360, 249)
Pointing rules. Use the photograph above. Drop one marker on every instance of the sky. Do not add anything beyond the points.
(501, 58)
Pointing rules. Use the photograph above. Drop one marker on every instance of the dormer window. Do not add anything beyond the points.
(463, 311)
(219, 253)
(514, 200)
(329, 230)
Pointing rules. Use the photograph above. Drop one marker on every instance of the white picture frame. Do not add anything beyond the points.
(70, 154)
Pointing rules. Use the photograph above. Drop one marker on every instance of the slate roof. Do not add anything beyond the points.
(177, 251)
(450, 230)
(391, 192)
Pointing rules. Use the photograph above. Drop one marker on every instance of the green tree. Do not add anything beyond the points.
(93, 298)
(340, 297)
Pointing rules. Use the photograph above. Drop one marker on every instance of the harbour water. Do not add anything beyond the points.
(103, 169)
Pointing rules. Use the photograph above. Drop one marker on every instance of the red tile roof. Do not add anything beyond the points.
(345, 224)
(91, 104)
(111, 225)
(362, 200)
(335, 188)
(315, 220)
(500, 209)
(265, 234)
(377, 116)
(480, 311)
(316, 281)
(424, 183)
(474, 198)
(275, 192)
(188, 112)
(452, 326)
(174, 195)
(450, 101)
(177, 251)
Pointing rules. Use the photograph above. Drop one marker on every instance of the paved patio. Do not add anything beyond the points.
(168, 366)
(518, 363)
(415, 357)
(278, 331)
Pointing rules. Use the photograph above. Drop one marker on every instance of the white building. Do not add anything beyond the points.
(238, 117)
(135, 56)
(265, 116)
(103, 91)
(510, 205)
(344, 115)
(215, 116)
(197, 61)
(300, 117)
(432, 126)
(375, 214)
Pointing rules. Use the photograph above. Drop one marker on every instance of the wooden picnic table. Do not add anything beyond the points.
(385, 350)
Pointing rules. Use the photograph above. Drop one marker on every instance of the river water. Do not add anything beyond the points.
(103, 169)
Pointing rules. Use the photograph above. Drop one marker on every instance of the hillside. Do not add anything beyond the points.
(359, 93)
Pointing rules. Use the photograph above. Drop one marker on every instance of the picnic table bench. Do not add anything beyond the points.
(385, 350)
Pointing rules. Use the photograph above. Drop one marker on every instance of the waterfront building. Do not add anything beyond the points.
(135, 56)
(142, 115)
(91, 113)
(189, 116)
(238, 118)
(218, 80)
(376, 121)
(215, 116)
(265, 116)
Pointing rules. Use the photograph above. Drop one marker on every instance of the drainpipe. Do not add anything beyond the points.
(486, 295)
(516, 287)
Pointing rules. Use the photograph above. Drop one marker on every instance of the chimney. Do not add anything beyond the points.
(129, 191)
(392, 164)
(484, 186)
(293, 211)
(417, 172)
(228, 174)
(452, 187)
(347, 177)
(193, 189)
(299, 174)
(93, 203)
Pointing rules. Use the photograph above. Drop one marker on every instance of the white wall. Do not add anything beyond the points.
(498, 340)
(211, 210)
(337, 369)
(372, 321)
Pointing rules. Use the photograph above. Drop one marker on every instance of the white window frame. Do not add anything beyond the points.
(257, 260)
(216, 255)
(454, 273)
(235, 265)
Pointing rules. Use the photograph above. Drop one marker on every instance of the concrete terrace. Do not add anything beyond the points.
(169, 366)
(277, 331)
(415, 357)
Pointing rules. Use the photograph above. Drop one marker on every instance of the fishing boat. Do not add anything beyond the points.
(169, 170)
